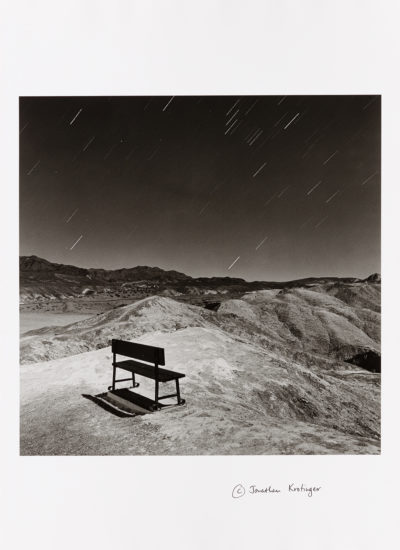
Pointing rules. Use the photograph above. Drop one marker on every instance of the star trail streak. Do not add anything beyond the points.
(88, 143)
(23, 128)
(283, 191)
(232, 117)
(76, 242)
(251, 107)
(320, 222)
(233, 106)
(204, 208)
(233, 263)
(314, 187)
(72, 215)
(75, 117)
(330, 157)
(369, 178)
(269, 200)
(33, 168)
(256, 136)
(169, 102)
(261, 243)
(332, 196)
(279, 120)
(259, 169)
(231, 126)
(290, 121)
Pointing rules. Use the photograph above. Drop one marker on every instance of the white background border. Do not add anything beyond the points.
(177, 48)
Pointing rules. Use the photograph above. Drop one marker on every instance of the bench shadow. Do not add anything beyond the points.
(124, 402)
(107, 407)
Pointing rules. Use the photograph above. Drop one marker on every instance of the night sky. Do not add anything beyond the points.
(264, 188)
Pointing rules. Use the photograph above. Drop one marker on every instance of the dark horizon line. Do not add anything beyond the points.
(193, 277)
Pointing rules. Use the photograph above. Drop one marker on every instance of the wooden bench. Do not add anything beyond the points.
(140, 357)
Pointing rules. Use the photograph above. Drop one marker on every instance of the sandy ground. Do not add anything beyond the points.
(240, 400)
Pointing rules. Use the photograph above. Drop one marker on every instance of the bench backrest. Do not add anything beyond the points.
(138, 351)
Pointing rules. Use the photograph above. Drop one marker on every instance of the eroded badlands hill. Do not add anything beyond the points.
(265, 374)
(326, 321)
(312, 322)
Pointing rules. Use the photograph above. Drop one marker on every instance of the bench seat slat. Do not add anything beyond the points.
(164, 375)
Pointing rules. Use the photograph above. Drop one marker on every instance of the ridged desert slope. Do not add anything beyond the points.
(291, 321)
(240, 400)
(307, 320)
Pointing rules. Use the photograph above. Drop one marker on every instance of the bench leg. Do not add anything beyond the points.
(178, 394)
(134, 384)
(156, 394)
(169, 396)
(114, 373)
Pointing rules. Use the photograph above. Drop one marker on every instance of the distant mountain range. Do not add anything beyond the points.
(43, 268)
(44, 280)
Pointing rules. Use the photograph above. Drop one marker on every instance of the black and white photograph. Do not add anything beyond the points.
(199, 229)
(200, 275)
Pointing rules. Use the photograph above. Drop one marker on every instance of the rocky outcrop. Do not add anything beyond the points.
(374, 278)
(369, 360)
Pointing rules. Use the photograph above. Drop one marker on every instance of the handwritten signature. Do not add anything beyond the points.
(239, 490)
